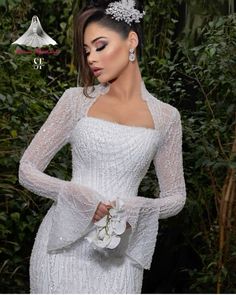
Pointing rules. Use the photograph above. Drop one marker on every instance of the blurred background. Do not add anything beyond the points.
(189, 61)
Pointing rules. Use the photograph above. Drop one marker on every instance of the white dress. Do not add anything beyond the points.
(109, 161)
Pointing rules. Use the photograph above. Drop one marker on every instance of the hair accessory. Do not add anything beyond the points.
(124, 11)
(131, 54)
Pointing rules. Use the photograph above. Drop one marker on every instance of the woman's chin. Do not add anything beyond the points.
(103, 79)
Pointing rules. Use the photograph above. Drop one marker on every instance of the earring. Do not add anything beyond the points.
(131, 54)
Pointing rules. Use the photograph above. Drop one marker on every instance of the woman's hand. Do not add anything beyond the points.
(102, 210)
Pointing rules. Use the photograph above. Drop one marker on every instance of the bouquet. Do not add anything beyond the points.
(108, 229)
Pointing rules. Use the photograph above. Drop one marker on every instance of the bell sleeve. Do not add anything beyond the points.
(74, 204)
(143, 213)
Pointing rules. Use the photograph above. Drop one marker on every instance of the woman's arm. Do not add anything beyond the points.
(143, 213)
(51, 137)
(168, 163)
(75, 204)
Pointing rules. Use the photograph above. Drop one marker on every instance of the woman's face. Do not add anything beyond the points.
(105, 49)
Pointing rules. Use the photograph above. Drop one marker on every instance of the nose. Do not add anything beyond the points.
(91, 58)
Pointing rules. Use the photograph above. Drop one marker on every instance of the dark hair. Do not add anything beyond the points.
(95, 12)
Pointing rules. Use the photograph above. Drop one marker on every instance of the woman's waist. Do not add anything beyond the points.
(109, 191)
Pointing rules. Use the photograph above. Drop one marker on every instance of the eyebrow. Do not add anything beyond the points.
(94, 40)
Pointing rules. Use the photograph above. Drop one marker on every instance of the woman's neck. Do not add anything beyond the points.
(126, 87)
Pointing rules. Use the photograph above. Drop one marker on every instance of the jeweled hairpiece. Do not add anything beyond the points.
(124, 11)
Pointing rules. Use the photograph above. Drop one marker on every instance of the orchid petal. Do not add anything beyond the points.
(101, 234)
(102, 222)
(114, 242)
(112, 211)
(103, 243)
(119, 227)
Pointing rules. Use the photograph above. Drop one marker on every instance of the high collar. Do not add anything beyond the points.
(103, 88)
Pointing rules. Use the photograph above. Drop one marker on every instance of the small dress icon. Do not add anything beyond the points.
(35, 35)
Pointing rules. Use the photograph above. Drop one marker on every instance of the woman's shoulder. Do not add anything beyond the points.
(74, 100)
(69, 101)
(71, 91)
(71, 96)
(78, 92)
(166, 111)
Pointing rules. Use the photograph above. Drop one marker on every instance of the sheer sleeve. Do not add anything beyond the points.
(144, 213)
(74, 204)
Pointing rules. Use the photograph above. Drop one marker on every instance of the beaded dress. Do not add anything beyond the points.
(109, 160)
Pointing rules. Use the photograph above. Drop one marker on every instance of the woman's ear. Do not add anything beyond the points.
(133, 39)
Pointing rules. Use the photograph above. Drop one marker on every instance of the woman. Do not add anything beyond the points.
(99, 236)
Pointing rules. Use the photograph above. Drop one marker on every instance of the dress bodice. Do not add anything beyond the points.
(109, 161)
(111, 158)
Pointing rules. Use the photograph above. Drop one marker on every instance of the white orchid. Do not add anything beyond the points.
(107, 231)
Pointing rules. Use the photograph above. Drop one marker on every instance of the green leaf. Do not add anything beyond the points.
(212, 51)
(2, 2)
(13, 133)
(15, 216)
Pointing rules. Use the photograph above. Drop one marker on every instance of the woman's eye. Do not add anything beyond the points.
(98, 49)
(86, 52)
(101, 48)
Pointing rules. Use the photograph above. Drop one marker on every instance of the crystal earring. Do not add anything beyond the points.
(131, 54)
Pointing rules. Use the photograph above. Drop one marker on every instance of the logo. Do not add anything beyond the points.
(36, 37)
(38, 63)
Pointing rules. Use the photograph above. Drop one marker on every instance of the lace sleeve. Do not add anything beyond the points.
(168, 163)
(143, 213)
(75, 204)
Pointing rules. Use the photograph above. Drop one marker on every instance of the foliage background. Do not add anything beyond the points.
(188, 61)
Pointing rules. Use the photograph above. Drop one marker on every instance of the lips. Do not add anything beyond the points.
(96, 71)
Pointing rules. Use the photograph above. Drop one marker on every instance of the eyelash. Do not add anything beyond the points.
(98, 49)
(101, 48)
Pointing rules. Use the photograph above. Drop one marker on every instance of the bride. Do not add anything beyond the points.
(99, 235)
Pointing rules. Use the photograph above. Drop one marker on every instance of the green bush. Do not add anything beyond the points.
(200, 81)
